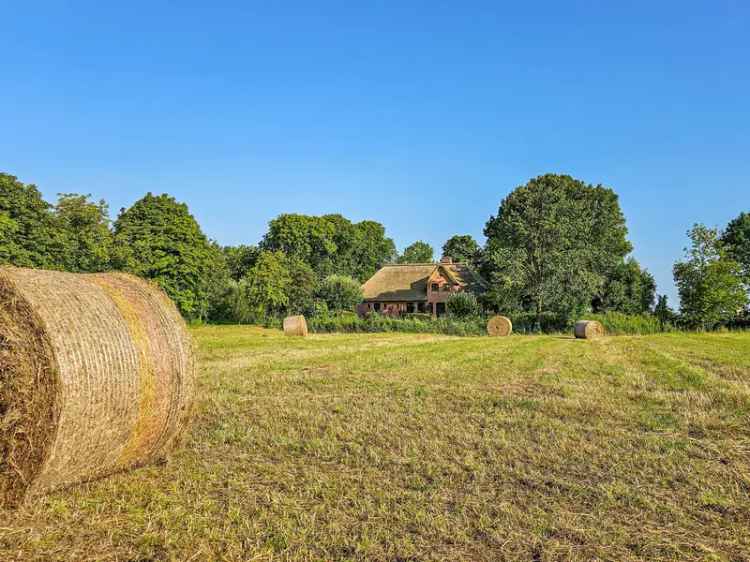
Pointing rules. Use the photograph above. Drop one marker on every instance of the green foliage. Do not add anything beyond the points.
(157, 238)
(736, 240)
(709, 282)
(302, 287)
(230, 305)
(462, 248)
(267, 284)
(331, 244)
(418, 252)
(628, 289)
(240, 259)
(462, 305)
(278, 285)
(552, 244)
(619, 324)
(371, 250)
(86, 227)
(351, 323)
(340, 292)
(30, 234)
(664, 313)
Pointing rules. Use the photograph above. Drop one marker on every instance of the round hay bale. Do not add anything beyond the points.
(295, 326)
(588, 329)
(499, 326)
(96, 376)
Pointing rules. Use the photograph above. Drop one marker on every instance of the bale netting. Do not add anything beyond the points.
(588, 329)
(499, 326)
(96, 376)
(295, 326)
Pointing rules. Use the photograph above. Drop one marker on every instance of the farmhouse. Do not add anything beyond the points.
(417, 287)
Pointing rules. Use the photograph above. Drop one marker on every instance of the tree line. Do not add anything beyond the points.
(557, 248)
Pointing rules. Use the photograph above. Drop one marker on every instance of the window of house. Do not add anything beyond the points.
(435, 287)
(377, 307)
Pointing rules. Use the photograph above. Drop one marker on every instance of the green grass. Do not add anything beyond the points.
(425, 447)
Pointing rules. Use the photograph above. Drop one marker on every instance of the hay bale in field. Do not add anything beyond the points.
(96, 376)
(295, 326)
(499, 326)
(588, 329)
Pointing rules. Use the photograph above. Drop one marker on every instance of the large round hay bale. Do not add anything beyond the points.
(588, 329)
(499, 326)
(295, 326)
(96, 376)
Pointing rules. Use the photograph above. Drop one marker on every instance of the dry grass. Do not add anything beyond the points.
(419, 447)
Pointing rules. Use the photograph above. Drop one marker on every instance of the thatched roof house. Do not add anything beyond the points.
(417, 287)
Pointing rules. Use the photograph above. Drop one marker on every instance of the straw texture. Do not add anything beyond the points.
(96, 376)
(588, 329)
(499, 326)
(295, 326)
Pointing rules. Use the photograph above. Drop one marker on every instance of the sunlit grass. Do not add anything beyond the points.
(423, 447)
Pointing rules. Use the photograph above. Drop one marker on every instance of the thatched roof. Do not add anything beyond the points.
(408, 282)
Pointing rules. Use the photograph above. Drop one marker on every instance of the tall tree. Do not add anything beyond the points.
(157, 238)
(628, 289)
(372, 249)
(331, 243)
(240, 259)
(310, 239)
(418, 252)
(280, 284)
(663, 311)
(709, 281)
(461, 248)
(87, 231)
(553, 243)
(30, 234)
(736, 239)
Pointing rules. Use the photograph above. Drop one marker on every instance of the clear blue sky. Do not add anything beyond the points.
(421, 115)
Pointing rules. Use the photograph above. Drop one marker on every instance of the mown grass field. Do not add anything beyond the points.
(420, 447)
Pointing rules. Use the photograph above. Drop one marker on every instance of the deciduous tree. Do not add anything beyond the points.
(240, 259)
(418, 252)
(461, 248)
(331, 243)
(553, 243)
(709, 281)
(86, 226)
(157, 238)
(736, 239)
(628, 288)
(30, 234)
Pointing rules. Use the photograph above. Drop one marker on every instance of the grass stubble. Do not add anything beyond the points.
(422, 447)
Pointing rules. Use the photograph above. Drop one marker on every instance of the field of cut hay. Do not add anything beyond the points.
(422, 447)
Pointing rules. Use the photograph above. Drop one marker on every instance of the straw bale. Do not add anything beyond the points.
(588, 329)
(96, 376)
(295, 326)
(499, 326)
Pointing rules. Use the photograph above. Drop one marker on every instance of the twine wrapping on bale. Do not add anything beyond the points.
(588, 329)
(96, 376)
(295, 326)
(499, 326)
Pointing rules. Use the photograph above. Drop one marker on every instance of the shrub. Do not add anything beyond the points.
(340, 292)
(462, 305)
(616, 323)
(351, 323)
